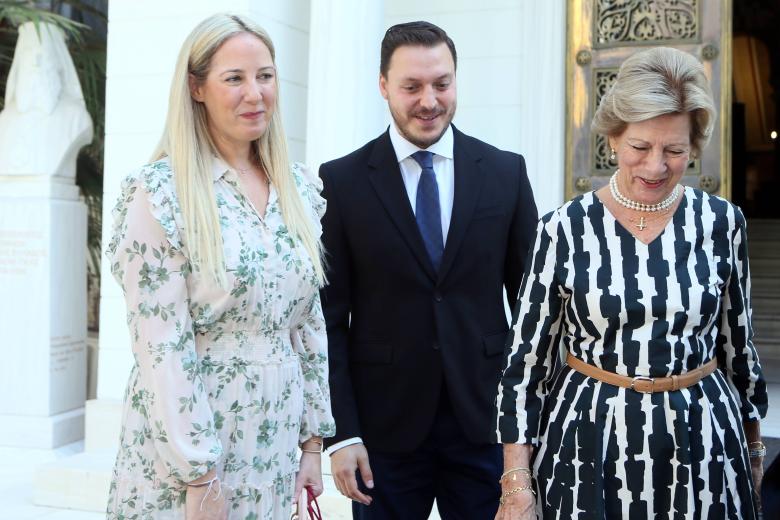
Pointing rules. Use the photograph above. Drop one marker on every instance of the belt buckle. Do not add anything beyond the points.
(642, 378)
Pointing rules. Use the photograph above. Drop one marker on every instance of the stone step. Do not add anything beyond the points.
(769, 354)
(763, 228)
(766, 312)
(77, 482)
(765, 267)
(766, 326)
(765, 286)
(767, 235)
(764, 249)
(766, 307)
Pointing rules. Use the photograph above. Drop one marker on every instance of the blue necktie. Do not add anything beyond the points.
(427, 209)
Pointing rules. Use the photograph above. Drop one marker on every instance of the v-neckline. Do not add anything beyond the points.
(626, 230)
(271, 198)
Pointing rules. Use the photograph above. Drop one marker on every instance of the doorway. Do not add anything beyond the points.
(756, 101)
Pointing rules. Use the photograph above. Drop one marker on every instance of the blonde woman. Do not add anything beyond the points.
(645, 283)
(216, 246)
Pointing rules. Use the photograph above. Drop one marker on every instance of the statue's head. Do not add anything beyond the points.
(42, 72)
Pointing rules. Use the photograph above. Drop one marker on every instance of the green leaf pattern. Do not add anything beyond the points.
(228, 378)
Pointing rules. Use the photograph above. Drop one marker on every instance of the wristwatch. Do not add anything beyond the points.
(756, 450)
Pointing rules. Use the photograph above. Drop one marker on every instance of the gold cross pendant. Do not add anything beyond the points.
(642, 225)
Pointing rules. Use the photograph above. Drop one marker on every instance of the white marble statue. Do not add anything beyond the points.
(45, 121)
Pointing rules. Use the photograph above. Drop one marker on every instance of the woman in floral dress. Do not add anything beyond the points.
(216, 246)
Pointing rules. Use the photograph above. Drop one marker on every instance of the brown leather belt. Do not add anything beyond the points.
(644, 384)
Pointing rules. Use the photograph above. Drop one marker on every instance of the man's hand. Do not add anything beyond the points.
(343, 463)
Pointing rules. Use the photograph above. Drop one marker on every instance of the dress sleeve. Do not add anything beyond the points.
(310, 341)
(735, 338)
(533, 341)
(309, 338)
(147, 261)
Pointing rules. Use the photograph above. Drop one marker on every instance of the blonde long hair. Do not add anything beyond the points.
(189, 146)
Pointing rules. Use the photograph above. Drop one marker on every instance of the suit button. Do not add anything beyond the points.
(435, 346)
(437, 297)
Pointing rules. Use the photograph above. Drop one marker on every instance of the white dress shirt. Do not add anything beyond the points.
(444, 169)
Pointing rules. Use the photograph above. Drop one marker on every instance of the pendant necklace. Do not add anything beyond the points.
(661, 207)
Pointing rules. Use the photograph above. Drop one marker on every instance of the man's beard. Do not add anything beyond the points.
(417, 141)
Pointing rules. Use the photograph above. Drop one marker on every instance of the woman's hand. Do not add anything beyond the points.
(757, 469)
(520, 506)
(205, 502)
(310, 469)
(518, 501)
(753, 434)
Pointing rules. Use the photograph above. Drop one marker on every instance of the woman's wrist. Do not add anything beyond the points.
(515, 494)
(311, 453)
(517, 455)
(312, 445)
(204, 479)
(509, 485)
(517, 469)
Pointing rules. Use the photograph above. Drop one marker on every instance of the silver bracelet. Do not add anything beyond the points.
(756, 450)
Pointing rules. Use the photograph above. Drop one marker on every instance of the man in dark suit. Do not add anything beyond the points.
(424, 229)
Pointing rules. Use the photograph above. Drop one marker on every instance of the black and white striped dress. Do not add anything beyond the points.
(638, 310)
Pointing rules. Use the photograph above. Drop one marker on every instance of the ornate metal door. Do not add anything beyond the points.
(601, 34)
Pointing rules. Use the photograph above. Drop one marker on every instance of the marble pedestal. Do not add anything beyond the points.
(43, 379)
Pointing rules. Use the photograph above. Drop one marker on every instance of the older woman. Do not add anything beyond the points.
(216, 246)
(645, 285)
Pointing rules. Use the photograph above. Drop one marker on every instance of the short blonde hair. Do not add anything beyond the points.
(188, 144)
(656, 82)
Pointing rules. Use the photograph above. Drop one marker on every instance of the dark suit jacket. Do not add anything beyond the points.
(396, 330)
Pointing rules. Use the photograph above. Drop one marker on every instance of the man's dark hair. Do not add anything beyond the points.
(413, 33)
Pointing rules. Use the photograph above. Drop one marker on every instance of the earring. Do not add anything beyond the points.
(612, 154)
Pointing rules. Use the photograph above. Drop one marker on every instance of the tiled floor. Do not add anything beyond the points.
(17, 468)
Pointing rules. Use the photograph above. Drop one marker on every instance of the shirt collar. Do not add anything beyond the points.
(403, 148)
(218, 167)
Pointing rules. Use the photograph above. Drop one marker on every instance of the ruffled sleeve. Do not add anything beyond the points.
(148, 260)
(310, 186)
(309, 338)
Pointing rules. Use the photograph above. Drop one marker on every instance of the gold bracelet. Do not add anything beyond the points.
(518, 469)
(318, 452)
(311, 439)
(514, 491)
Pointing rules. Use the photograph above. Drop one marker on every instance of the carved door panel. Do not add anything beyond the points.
(601, 34)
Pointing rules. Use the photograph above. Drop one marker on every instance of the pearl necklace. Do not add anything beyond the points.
(639, 206)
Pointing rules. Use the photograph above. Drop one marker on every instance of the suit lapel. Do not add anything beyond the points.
(468, 187)
(385, 177)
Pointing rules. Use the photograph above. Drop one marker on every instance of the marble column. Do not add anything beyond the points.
(345, 108)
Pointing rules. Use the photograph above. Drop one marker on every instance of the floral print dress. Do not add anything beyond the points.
(228, 378)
